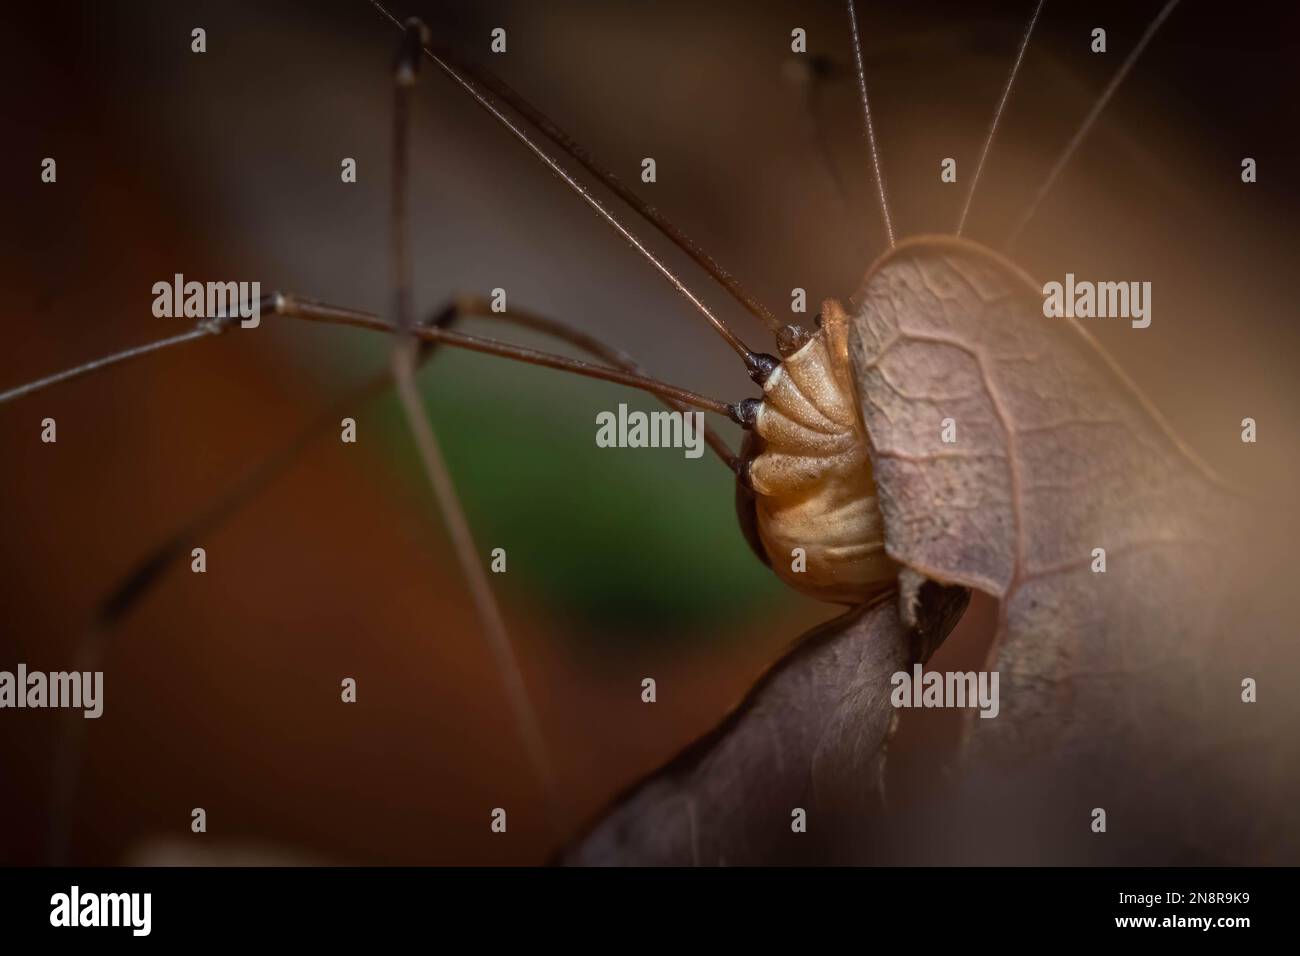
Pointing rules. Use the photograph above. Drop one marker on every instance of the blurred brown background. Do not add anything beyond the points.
(222, 689)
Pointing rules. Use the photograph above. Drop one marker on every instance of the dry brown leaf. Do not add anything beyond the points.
(809, 735)
(1119, 690)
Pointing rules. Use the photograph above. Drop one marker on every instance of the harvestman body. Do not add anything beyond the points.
(804, 477)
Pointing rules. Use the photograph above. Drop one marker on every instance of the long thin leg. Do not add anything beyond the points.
(478, 306)
(313, 311)
(507, 94)
(866, 115)
(310, 310)
(200, 331)
(1090, 119)
(405, 349)
(548, 128)
(758, 364)
(997, 116)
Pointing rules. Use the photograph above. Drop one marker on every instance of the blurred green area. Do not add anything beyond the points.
(636, 544)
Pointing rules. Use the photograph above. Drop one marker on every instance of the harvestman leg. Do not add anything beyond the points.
(405, 350)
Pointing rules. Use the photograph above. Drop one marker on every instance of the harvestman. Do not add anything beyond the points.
(769, 422)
